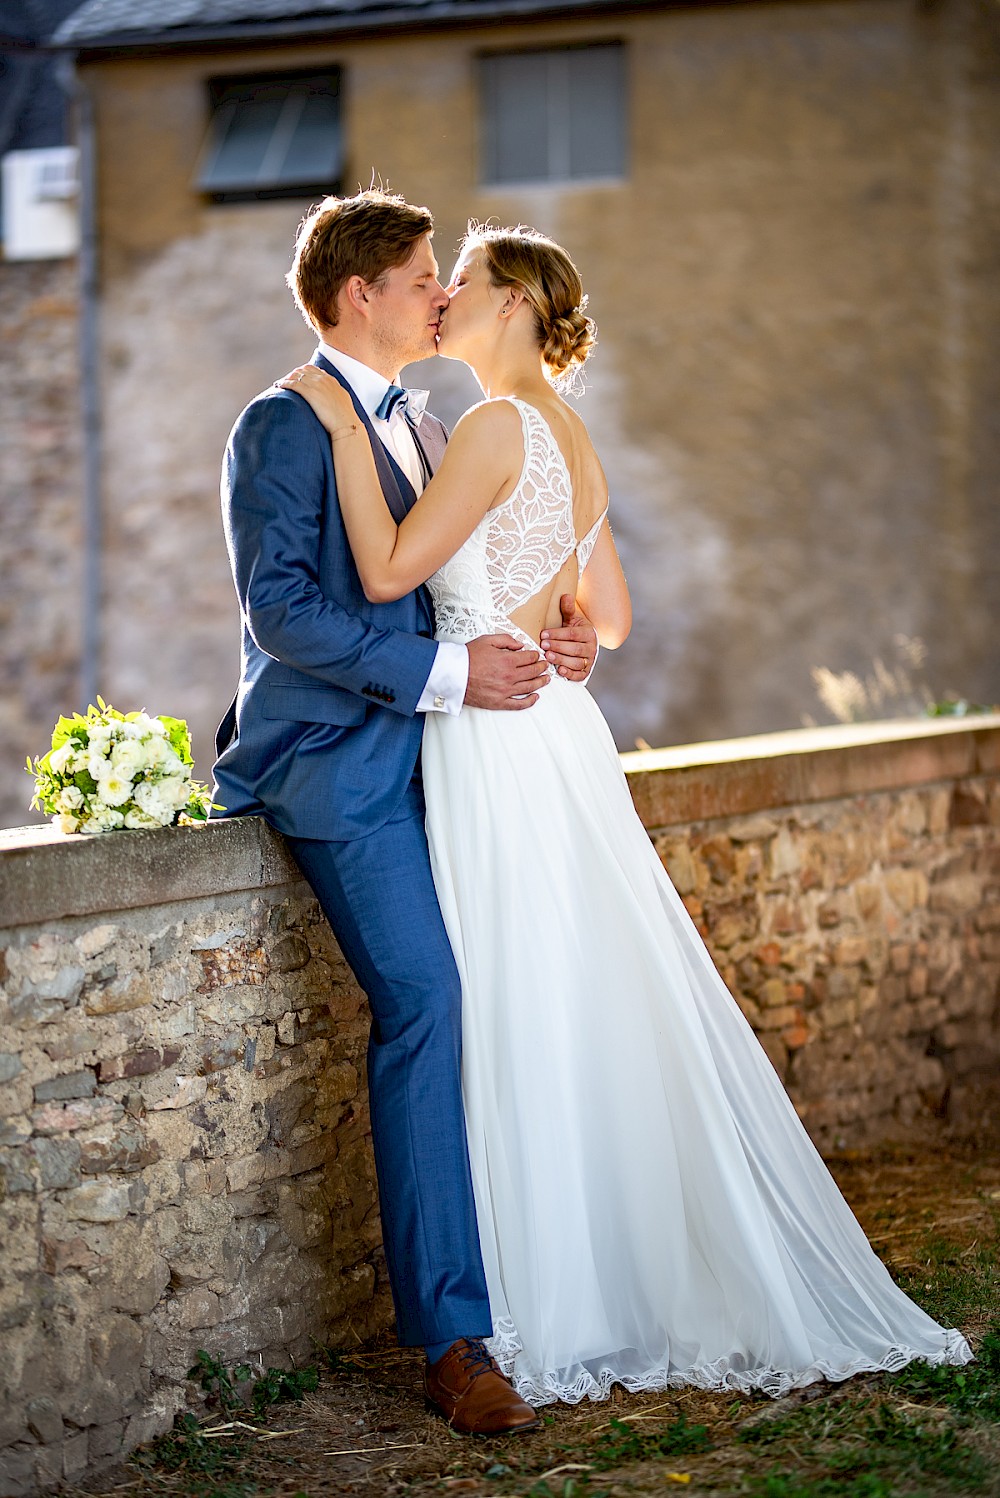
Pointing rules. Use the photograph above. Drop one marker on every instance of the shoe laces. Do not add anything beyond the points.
(475, 1359)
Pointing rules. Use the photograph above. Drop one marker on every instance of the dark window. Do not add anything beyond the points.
(273, 137)
(553, 116)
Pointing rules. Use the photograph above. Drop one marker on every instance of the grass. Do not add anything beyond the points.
(970, 1393)
(623, 1444)
(210, 1456)
(955, 1282)
(356, 1424)
(875, 1443)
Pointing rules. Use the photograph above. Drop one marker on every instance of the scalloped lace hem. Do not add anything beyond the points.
(546, 1388)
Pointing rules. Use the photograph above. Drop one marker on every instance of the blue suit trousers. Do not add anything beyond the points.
(378, 895)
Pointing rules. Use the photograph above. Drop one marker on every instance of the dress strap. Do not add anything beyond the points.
(585, 547)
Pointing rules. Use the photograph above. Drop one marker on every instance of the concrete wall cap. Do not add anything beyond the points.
(46, 876)
(738, 777)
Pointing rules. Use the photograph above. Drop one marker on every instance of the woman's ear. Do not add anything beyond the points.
(513, 297)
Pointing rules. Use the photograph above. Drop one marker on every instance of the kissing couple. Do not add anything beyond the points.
(588, 1171)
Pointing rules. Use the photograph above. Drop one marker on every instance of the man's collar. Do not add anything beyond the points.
(368, 385)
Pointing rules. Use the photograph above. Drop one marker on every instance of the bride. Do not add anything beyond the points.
(651, 1211)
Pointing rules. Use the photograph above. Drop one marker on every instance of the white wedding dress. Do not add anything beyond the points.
(651, 1210)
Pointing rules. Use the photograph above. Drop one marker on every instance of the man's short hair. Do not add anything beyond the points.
(367, 236)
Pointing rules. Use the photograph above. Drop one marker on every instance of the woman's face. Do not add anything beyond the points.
(472, 315)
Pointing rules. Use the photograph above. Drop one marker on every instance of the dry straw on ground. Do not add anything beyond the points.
(366, 1431)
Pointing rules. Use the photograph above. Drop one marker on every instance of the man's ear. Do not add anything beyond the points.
(356, 293)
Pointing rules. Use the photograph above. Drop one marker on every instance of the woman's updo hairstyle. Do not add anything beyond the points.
(527, 261)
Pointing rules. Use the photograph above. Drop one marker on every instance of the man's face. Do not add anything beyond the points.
(406, 310)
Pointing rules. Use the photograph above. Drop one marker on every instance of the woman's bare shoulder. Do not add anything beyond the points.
(488, 437)
(492, 417)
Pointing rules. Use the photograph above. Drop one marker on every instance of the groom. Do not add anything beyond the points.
(323, 739)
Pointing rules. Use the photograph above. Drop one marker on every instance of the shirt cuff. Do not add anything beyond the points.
(447, 683)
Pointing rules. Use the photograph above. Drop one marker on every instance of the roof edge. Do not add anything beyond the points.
(384, 17)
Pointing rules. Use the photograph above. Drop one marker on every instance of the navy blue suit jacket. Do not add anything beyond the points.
(323, 734)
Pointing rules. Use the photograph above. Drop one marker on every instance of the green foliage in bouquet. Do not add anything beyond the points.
(110, 770)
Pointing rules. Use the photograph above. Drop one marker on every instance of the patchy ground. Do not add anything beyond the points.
(364, 1429)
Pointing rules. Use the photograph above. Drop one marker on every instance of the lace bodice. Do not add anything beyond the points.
(517, 548)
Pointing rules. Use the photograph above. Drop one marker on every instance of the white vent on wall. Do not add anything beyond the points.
(41, 220)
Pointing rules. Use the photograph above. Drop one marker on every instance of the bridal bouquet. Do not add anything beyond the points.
(109, 770)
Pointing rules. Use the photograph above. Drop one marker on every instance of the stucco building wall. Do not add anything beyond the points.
(40, 515)
(798, 373)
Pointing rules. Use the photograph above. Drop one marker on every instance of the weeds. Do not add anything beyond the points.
(888, 1438)
(868, 1448)
(217, 1383)
(269, 1387)
(956, 1286)
(208, 1455)
(972, 1392)
(865, 1451)
(624, 1444)
(814, 1423)
(571, 1487)
(275, 1385)
(791, 1485)
(205, 1461)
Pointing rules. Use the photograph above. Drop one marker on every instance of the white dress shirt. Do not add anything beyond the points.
(444, 691)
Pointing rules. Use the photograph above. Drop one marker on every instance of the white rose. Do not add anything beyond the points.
(97, 766)
(113, 788)
(105, 818)
(150, 799)
(160, 756)
(130, 730)
(70, 798)
(99, 739)
(61, 758)
(128, 758)
(136, 819)
(175, 791)
(65, 822)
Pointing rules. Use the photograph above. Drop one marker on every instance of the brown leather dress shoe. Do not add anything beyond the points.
(466, 1385)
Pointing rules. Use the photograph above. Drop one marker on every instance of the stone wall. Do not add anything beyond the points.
(184, 1137)
(852, 906)
(184, 1140)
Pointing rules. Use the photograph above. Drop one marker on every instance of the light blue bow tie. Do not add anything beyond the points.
(412, 403)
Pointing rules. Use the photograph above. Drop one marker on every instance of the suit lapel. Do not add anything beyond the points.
(431, 437)
(396, 487)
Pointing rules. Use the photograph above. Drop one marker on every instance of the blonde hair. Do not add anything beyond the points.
(527, 261)
(367, 236)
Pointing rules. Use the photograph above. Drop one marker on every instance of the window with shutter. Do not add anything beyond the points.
(557, 115)
(273, 137)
